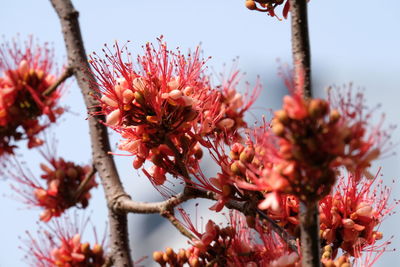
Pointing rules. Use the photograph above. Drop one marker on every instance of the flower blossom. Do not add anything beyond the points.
(27, 72)
(62, 246)
(233, 245)
(269, 6)
(350, 217)
(66, 185)
(164, 107)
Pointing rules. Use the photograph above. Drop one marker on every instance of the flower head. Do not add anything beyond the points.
(27, 73)
(269, 6)
(165, 107)
(63, 184)
(350, 217)
(61, 245)
(233, 245)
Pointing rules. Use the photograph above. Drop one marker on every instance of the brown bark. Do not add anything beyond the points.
(301, 44)
(103, 161)
(309, 214)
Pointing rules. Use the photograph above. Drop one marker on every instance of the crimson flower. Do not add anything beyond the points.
(269, 6)
(65, 185)
(234, 245)
(61, 245)
(165, 107)
(27, 72)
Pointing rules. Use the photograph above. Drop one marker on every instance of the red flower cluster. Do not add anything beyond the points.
(234, 245)
(67, 185)
(308, 141)
(350, 216)
(268, 6)
(62, 247)
(27, 72)
(166, 107)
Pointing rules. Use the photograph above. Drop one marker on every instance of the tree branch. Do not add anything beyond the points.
(301, 45)
(309, 219)
(103, 161)
(68, 72)
(169, 215)
(290, 240)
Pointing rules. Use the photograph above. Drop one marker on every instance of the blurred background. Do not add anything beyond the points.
(352, 41)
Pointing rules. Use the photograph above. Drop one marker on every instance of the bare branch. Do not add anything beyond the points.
(169, 215)
(290, 240)
(309, 219)
(301, 45)
(84, 183)
(103, 161)
(68, 72)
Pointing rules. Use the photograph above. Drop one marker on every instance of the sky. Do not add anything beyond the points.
(351, 41)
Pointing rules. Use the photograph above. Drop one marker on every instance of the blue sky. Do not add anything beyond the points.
(352, 41)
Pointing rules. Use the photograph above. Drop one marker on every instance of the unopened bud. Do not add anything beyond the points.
(198, 153)
(247, 155)
(317, 108)
(250, 4)
(85, 247)
(281, 116)
(326, 255)
(97, 249)
(238, 168)
(72, 173)
(60, 174)
(194, 262)
(278, 128)
(158, 257)
(334, 116)
(139, 97)
(182, 255)
(377, 235)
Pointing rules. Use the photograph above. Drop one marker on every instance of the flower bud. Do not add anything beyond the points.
(250, 4)
(281, 116)
(278, 129)
(158, 257)
(139, 97)
(247, 155)
(317, 108)
(85, 247)
(238, 168)
(97, 249)
(72, 173)
(334, 116)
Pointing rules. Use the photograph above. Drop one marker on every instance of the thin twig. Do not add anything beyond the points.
(290, 240)
(169, 215)
(68, 72)
(84, 183)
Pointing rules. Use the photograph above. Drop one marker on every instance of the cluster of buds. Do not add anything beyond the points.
(166, 107)
(268, 6)
(67, 185)
(233, 105)
(315, 139)
(74, 253)
(24, 98)
(234, 245)
(328, 259)
(349, 218)
(61, 246)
